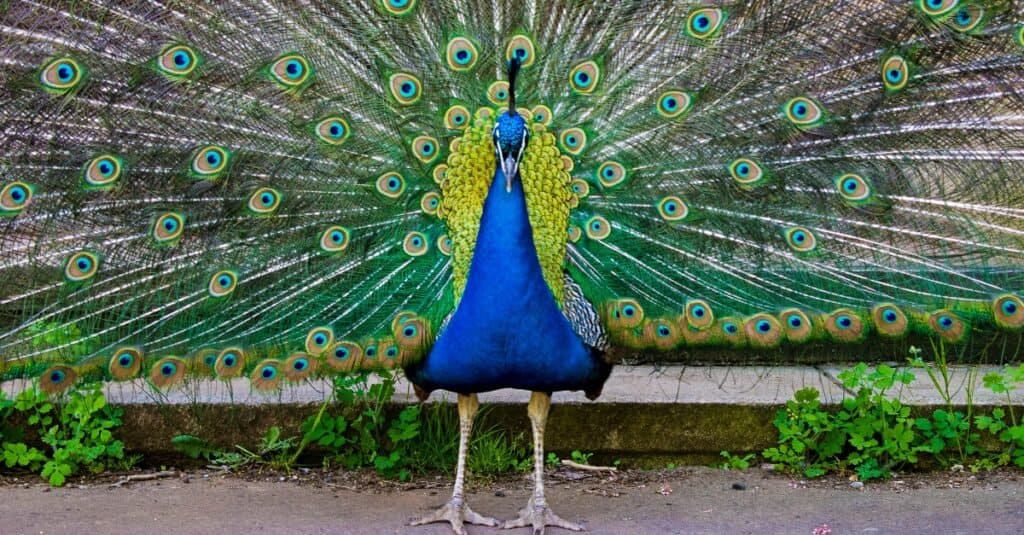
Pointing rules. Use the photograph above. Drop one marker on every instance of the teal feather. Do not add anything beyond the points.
(901, 166)
(236, 141)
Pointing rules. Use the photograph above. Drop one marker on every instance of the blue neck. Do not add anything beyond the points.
(507, 331)
(505, 257)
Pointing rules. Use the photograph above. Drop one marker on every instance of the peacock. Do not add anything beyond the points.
(500, 194)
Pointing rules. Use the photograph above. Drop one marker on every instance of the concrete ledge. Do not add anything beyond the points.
(675, 412)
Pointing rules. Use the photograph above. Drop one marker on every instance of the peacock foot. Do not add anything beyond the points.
(539, 517)
(456, 513)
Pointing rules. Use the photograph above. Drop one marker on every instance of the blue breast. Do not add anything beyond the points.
(507, 331)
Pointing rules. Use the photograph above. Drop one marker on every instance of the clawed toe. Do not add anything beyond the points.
(539, 518)
(456, 515)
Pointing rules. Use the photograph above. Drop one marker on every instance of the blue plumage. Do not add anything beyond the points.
(508, 331)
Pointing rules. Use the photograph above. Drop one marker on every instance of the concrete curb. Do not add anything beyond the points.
(683, 413)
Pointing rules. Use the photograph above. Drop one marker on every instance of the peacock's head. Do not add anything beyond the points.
(510, 133)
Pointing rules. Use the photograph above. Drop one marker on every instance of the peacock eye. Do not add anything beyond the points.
(291, 71)
(177, 61)
(672, 208)
(405, 88)
(803, 112)
(14, 197)
(522, 47)
(456, 117)
(542, 115)
(584, 77)
(497, 93)
(968, 18)
(391, 185)
(444, 244)
(746, 172)
(167, 228)
(415, 244)
(222, 283)
(597, 228)
(81, 266)
(573, 140)
(674, 103)
(801, 239)
(102, 172)
(210, 162)
(318, 339)
(430, 202)
(461, 54)
(705, 23)
(895, 73)
(425, 149)
(937, 8)
(332, 130)
(853, 187)
(611, 174)
(264, 201)
(61, 76)
(397, 7)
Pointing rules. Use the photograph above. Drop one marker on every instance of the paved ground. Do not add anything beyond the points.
(686, 501)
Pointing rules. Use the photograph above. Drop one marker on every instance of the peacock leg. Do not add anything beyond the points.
(536, 513)
(456, 512)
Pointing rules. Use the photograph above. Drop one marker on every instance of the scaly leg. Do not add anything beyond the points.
(536, 513)
(456, 511)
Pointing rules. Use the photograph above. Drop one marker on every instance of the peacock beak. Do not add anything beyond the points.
(509, 167)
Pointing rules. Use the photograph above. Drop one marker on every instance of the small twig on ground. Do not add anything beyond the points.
(142, 477)
(589, 467)
(343, 487)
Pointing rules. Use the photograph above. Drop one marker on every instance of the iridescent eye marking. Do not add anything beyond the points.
(62, 76)
(102, 172)
(81, 266)
(611, 174)
(291, 71)
(705, 23)
(415, 244)
(222, 283)
(672, 208)
(522, 47)
(391, 185)
(583, 78)
(804, 113)
(597, 228)
(210, 162)
(14, 197)
(398, 8)
(895, 73)
(672, 104)
(405, 88)
(461, 54)
(332, 130)
(167, 228)
(177, 61)
(335, 239)
(264, 201)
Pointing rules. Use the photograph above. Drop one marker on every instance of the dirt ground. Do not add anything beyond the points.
(690, 500)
